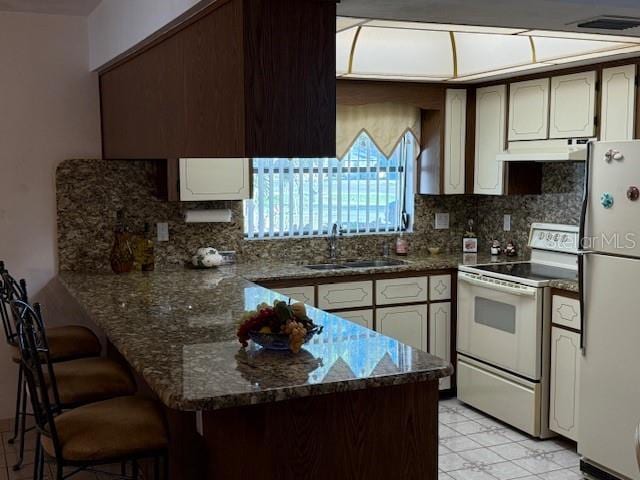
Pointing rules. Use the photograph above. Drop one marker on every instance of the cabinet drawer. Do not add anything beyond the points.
(304, 294)
(506, 397)
(565, 311)
(361, 317)
(402, 290)
(408, 325)
(345, 295)
(565, 372)
(439, 287)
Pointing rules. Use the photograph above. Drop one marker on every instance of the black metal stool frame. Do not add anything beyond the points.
(11, 289)
(34, 354)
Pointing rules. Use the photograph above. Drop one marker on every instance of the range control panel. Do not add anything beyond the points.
(558, 238)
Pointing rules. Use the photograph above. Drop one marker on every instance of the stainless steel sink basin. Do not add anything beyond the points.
(386, 262)
(325, 266)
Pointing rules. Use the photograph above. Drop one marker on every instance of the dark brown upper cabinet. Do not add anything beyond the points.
(243, 78)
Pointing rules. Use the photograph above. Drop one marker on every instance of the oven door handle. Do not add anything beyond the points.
(529, 292)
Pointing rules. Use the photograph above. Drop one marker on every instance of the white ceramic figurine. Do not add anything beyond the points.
(206, 257)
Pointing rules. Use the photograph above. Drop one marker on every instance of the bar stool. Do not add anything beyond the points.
(82, 377)
(120, 430)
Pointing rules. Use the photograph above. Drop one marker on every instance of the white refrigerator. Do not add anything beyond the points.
(609, 407)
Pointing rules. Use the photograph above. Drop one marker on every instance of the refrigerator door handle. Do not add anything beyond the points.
(581, 276)
(585, 198)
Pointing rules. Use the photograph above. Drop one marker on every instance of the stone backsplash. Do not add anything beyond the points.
(90, 192)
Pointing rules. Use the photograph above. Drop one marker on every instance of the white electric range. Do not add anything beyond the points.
(504, 329)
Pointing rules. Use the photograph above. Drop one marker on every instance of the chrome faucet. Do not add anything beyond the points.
(333, 242)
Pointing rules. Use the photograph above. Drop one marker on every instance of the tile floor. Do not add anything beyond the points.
(472, 447)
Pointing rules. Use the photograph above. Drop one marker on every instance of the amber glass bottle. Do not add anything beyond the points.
(122, 258)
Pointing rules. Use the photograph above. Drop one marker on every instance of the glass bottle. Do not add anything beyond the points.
(122, 258)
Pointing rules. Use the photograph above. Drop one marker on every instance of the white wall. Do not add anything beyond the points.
(49, 111)
(117, 25)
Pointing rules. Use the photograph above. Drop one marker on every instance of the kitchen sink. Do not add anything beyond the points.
(386, 262)
(326, 266)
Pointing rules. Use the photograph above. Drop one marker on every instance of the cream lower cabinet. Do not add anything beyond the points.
(440, 335)
(491, 117)
(565, 372)
(336, 296)
(408, 324)
(363, 318)
(304, 294)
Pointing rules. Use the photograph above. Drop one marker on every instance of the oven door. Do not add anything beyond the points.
(500, 323)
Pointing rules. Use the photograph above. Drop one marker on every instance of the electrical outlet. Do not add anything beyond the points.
(163, 231)
(507, 223)
(442, 221)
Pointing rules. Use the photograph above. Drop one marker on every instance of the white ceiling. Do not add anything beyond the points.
(532, 14)
(56, 7)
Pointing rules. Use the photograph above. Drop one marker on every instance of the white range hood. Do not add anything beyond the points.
(545, 151)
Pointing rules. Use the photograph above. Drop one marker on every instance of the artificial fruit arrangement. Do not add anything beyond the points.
(278, 327)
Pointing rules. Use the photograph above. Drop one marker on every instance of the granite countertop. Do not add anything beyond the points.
(567, 285)
(178, 331)
(269, 270)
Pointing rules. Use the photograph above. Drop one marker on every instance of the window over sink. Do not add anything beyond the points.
(364, 192)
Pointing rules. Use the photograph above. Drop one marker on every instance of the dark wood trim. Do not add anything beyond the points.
(426, 96)
(565, 293)
(311, 281)
(377, 433)
(431, 159)
(175, 26)
(522, 178)
(564, 327)
(470, 141)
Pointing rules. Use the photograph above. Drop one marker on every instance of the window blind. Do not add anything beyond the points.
(364, 192)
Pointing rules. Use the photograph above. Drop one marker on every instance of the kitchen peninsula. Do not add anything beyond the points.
(352, 404)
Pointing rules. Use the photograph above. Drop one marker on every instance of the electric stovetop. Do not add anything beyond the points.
(530, 271)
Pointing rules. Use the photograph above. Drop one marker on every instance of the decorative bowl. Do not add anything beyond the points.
(279, 341)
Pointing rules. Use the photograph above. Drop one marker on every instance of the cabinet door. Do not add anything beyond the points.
(529, 110)
(618, 103)
(215, 179)
(361, 317)
(454, 141)
(409, 325)
(440, 335)
(439, 287)
(304, 294)
(402, 290)
(573, 105)
(491, 117)
(345, 295)
(565, 365)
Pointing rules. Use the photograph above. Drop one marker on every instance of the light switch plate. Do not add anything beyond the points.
(507, 223)
(442, 221)
(163, 231)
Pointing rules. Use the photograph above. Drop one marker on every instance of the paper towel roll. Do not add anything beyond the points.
(208, 216)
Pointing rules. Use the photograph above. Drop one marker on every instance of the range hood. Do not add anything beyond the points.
(571, 150)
